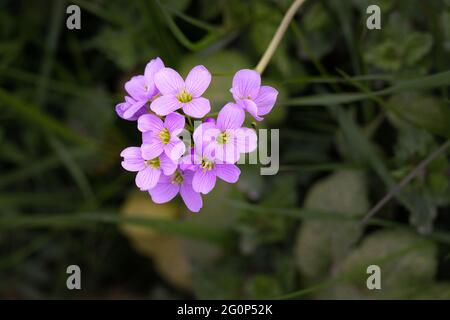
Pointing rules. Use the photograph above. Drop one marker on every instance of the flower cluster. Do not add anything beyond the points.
(177, 156)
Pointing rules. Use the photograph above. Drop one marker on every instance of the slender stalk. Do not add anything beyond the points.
(278, 36)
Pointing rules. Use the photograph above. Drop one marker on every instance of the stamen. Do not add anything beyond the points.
(164, 135)
(184, 96)
(154, 163)
(177, 177)
(223, 137)
(207, 164)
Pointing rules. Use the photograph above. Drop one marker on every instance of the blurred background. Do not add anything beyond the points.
(358, 110)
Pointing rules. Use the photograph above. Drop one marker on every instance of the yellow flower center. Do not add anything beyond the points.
(154, 163)
(223, 137)
(177, 178)
(207, 164)
(164, 135)
(184, 96)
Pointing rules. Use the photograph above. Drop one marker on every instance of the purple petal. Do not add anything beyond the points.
(266, 99)
(152, 150)
(150, 122)
(228, 172)
(133, 160)
(198, 81)
(164, 191)
(165, 104)
(175, 149)
(134, 109)
(151, 69)
(149, 136)
(174, 122)
(192, 199)
(197, 108)
(246, 140)
(136, 88)
(147, 178)
(230, 117)
(167, 165)
(246, 84)
(168, 81)
(205, 133)
(251, 108)
(227, 153)
(204, 181)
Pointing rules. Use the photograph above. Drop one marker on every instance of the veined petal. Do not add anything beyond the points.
(228, 172)
(164, 191)
(205, 132)
(136, 88)
(246, 84)
(192, 199)
(167, 165)
(227, 153)
(266, 99)
(174, 122)
(147, 178)
(149, 122)
(152, 150)
(134, 109)
(152, 68)
(245, 139)
(198, 81)
(251, 108)
(175, 149)
(204, 181)
(133, 160)
(168, 81)
(164, 105)
(197, 107)
(230, 117)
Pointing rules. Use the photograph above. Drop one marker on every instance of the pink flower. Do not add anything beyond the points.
(159, 136)
(179, 182)
(148, 168)
(206, 169)
(250, 95)
(177, 93)
(141, 89)
(226, 139)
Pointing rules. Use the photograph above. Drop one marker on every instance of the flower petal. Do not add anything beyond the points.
(134, 109)
(205, 133)
(203, 181)
(266, 99)
(175, 149)
(167, 165)
(174, 122)
(198, 81)
(251, 108)
(168, 81)
(246, 140)
(136, 88)
(246, 84)
(151, 69)
(150, 122)
(133, 160)
(164, 191)
(152, 149)
(230, 117)
(226, 153)
(197, 108)
(147, 178)
(192, 199)
(165, 104)
(228, 172)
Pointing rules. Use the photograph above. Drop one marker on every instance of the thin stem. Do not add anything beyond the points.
(278, 36)
(417, 170)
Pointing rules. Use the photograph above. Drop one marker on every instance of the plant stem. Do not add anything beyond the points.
(278, 36)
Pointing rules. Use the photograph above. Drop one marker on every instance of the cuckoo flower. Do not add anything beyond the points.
(148, 168)
(159, 136)
(177, 93)
(251, 96)
(206, 169)
(142, 88)
(179, 182)
(226, 138)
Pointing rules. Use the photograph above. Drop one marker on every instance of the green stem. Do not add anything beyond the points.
(278, 36)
